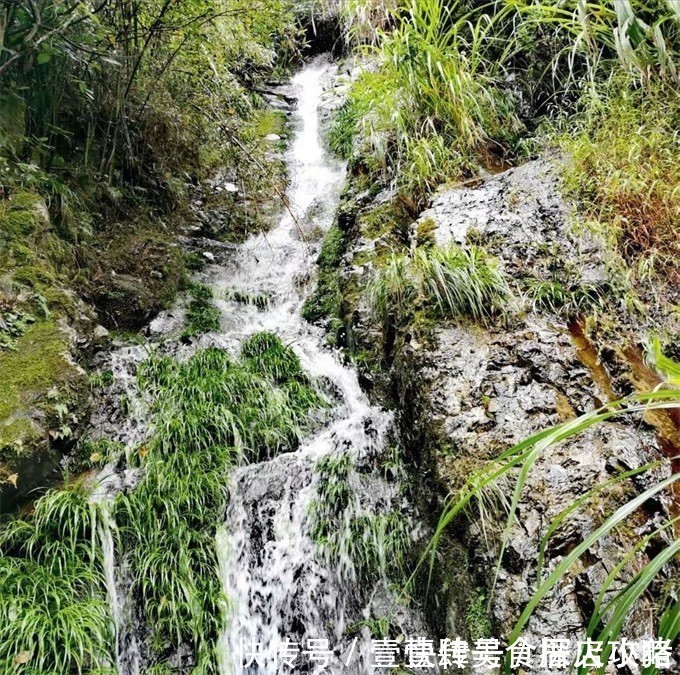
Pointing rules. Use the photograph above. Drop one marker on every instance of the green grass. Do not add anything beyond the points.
(325, 301)
(202, 315)
(452, 282)
(566, 300)
(623, 173)
(210, 413)
(341, 132)
(431, 107)
(53, 610)
(260, 300)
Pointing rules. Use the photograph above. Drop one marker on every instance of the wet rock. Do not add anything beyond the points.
(469, 392)
(100, 333)
(520, 216)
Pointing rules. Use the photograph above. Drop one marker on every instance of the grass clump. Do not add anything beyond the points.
(325, 301)
(565, 300)
(624, 174)
(259, 300)
(452, 282)
(367, 546)
(211, 412)
(431, 106)
(341, 133)
(202, 315)
(54, 617)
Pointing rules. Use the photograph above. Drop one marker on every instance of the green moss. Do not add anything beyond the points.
(19, 215)
(202, 315)
(477, 619)
(37, 365)
(268, 121)
(425, 232)
(382, 219)
(325, 302)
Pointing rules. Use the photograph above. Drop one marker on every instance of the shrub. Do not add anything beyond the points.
(53, 610)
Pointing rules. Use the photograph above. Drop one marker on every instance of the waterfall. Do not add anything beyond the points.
(279, 584)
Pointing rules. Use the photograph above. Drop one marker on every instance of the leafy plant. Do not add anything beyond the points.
(210, 413)
(452, 282)
(53, 612)
(623, 173)
(566, 301)
(517, 462)
(202, 315)
(432, 104)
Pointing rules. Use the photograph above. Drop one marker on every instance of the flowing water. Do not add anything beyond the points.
(279, 585)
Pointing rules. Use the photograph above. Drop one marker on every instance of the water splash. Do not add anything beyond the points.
(278, 583)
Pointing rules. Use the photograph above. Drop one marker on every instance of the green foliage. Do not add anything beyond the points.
(53, 613)
(555, 297)
(452, 282)
(260, 300)
(202, 315)
(477, 617)
(210, 413)
(517, 462)
(324, 303)
(624, 174)
(101, 379)
(341, 132)
(665, 366)
(268, 355)
(637, 36)
(432, 104)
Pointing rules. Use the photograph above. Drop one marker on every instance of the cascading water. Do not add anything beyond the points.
(278, 583)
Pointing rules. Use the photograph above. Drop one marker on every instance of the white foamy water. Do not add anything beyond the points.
(279, 586)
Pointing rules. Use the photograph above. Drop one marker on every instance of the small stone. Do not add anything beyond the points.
(100, 332)
(209, 256)
(272, 138)
(230, 187)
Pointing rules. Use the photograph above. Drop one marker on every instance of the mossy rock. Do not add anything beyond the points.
(134, 274)
(21, 214)
(43, 403)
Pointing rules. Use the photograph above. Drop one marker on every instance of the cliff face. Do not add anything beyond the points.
(465, 391)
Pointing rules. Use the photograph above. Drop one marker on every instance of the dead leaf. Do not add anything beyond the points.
(22, 657)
